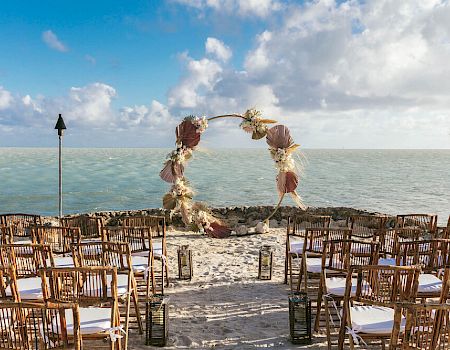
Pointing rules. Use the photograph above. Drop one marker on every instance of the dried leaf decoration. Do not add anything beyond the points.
(187, 134)
(257, 135)
(171, 171)
(279, 137)
(217, 230)
(287, 182)
(169, 202)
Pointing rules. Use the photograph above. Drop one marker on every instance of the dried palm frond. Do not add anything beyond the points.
(187, 134)
(279, 137)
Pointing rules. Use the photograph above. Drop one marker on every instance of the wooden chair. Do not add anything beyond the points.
(427, 326)
(90, 227)
(425, 222)
(366, 226)
(389, 240)
(157, 224)
(337, 257)
(444, 231)
(145, 253)
(118, 255)
(311, 257)
(295, 236)
(369, 314)
(94, 289)
(59, 238)
(27, 260)
(8, 284)
(20, 223)
(37, 326)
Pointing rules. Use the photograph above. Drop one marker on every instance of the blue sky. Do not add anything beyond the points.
(350, 74)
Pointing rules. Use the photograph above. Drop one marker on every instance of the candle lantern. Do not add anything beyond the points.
(157, 321)
(300, 318)
(184, 263)
(265, 263)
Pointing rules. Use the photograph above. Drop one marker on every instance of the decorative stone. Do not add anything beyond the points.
(262, 227)
(241, 230)
(273, 223)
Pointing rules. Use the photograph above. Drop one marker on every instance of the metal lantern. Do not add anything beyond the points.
(157, 321)
(300, 318)
(184, 263)
(265, 263)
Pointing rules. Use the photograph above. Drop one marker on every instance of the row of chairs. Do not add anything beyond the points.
(377, 273)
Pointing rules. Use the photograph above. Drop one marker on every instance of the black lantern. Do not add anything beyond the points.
(184, 263)
(300, 318)
(157, 321)
(265, 263)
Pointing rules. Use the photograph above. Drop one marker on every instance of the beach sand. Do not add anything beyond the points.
(225, 306)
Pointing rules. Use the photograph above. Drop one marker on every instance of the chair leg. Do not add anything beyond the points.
(136, 307)
(327, 322)
(319, 308)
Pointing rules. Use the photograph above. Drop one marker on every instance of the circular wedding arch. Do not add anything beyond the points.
(188, 134)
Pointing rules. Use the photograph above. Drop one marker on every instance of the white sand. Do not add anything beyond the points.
(224, 306)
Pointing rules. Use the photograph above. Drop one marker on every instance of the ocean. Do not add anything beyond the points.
(387, 181)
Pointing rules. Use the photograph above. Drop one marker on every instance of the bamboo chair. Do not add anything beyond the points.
(157, 224)
(6, 236)
(425, 222)
(337, 257)
(20, 223)
(295, 238)
(39, 326)
(118, 255)
(432, 256)
(27, 260)
(311, 257)
(90, 227)
(94, 289)
(369, 314)
(366, 226)
(144, 254)
(59, 238)
(389, 240)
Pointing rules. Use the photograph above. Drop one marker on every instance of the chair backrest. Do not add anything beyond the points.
(339, 255)
(38, 326)
(390, 238)
(156, 224)
(20, 223)
(90, 227)
(366, 226)
(425, 222)
(315, 237)
(427, 326)
(383, 285)
(87, 286)
(59, 238)
(429, 254)
(6, 234)
(26, 258)
(139, 238)
(297, 224)
(113, 254)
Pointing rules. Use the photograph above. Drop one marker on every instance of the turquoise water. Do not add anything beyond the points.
(389, 181)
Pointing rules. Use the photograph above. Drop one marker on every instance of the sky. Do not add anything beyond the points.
(339, 74)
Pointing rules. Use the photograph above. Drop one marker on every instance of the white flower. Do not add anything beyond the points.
(200, 124)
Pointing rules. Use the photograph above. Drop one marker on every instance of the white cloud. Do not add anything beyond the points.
(244, 8)
(53, 42)
(218, 49)
(5, 98)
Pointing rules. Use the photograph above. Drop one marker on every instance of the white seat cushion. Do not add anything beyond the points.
(140, 263)
(373, 319)
(92, 320)
(63, 261)
(29, 288)
(296, 246)
(157, 250)
(122, 285)
(314, 265)
(429, 283)
(386, 261)
(336, 286)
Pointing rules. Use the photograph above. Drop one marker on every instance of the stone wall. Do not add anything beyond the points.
(240, 215)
